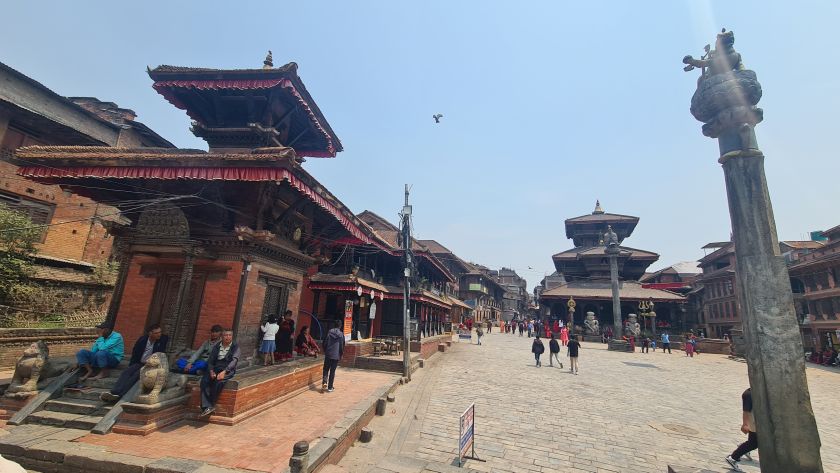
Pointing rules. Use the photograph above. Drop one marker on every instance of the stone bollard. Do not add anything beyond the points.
(390, 397)
(366, 435)
(380, 406)
(299, 462)
(422, 362)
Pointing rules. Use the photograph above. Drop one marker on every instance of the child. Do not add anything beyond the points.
(653, 344)
(537, 348)
(479, 333)
(554, 351)
(574, 351)
(269, 328)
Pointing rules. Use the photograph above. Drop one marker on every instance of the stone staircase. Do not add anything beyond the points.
(78, 407)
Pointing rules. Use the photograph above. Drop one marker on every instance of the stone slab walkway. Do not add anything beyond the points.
(623, 413)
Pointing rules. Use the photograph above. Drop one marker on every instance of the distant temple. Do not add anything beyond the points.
(583, 274)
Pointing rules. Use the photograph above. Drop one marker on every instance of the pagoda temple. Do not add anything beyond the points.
(224, 236)
(583, 274)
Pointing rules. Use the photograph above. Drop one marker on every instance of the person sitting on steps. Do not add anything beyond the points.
(106, 353)
(221, 367)
(153, 342)
(198, 361)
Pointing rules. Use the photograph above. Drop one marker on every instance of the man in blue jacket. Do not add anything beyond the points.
(106, 353)
(153, 342)
(221, 366)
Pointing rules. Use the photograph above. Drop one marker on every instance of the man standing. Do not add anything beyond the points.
(198, 361)
(224, 357)
(153, 342)
(666, 342)
(747, 427)
(489, 326)
(333, 351)
(574, 351)
(106, 353)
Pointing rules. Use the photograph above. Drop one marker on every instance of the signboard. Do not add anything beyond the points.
(464, 334)
(466, 437)
(348, 320)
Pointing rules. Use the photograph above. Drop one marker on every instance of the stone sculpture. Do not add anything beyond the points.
(632, 328)
(157, 384)
(610, 238)
(591, 324)
(28, 370)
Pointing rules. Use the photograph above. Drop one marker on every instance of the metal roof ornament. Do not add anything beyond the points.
(598, 210)
(269, 61)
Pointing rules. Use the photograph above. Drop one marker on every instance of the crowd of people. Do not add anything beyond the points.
(216, 359)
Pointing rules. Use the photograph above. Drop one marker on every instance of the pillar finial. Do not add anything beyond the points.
(269, 61)
(598, 210)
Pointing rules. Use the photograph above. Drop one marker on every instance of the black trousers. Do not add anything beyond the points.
(746, 447)
(126, 380)
(329, 371)
(211, 388)
(666, 346)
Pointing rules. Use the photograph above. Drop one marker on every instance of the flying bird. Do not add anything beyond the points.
(437, 117)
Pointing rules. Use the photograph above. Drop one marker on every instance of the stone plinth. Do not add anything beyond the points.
(619, 345)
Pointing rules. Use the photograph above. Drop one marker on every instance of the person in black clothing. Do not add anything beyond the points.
(284, 341)
(153, 342)
(574, 350)
(747, 427)
(537, 348)
(554, 351)
(333, 351)
(221, 366)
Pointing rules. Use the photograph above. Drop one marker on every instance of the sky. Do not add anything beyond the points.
(547, 106)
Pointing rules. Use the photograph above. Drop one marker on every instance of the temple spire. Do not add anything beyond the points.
(598, 210)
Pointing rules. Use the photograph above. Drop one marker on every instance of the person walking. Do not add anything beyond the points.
(530, 328)
(666, 342)
(479, 332)
(747, 427)
(573, 352)
(521, 328)
(537, 348)
(489, 326)
(564, 336)
(333, 351)
(554, 351)
(646, 345)
(689, 347)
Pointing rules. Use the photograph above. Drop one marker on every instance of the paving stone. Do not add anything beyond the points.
(106, 462)
(173, 465)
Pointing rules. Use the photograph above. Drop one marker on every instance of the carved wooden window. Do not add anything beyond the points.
(39, 213)
(276, 298)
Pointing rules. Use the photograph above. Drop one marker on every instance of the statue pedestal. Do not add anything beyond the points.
(619, 345)
(10, 405)
(591, 338)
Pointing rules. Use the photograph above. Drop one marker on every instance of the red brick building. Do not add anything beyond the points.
(75, 238)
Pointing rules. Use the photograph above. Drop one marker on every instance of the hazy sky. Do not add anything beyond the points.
(547, 106)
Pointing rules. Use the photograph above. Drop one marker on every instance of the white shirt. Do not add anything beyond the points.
(270, 330)
(223, 351)
(150, 345)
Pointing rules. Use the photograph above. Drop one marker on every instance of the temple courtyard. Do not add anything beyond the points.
(623, 413)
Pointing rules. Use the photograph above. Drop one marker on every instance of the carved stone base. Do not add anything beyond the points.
(619, 345)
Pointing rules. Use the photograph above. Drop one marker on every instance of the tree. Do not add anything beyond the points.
(17, 249)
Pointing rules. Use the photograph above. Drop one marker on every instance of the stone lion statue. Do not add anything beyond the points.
(28, 370)
(591, 324)
(156, 383)
(632, 329)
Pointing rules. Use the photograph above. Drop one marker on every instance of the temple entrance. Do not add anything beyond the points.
(181, 330)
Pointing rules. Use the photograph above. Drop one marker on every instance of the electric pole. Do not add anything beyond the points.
(408, 263)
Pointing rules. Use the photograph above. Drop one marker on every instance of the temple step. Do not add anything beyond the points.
(64, 419)
(91, 394)
(77, 406)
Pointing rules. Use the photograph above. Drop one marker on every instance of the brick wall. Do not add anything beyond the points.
(236, 404)
(61, 342)
(353, 350)
(134, 307)
(76, 230)
(429, 345)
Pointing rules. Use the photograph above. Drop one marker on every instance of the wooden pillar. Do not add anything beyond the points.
(124, 259)
(183, 294)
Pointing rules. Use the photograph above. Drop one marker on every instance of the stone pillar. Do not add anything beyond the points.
(616, 300)
(299, 461)
(725, 101)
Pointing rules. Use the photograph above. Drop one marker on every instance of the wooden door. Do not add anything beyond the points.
(162, 310)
